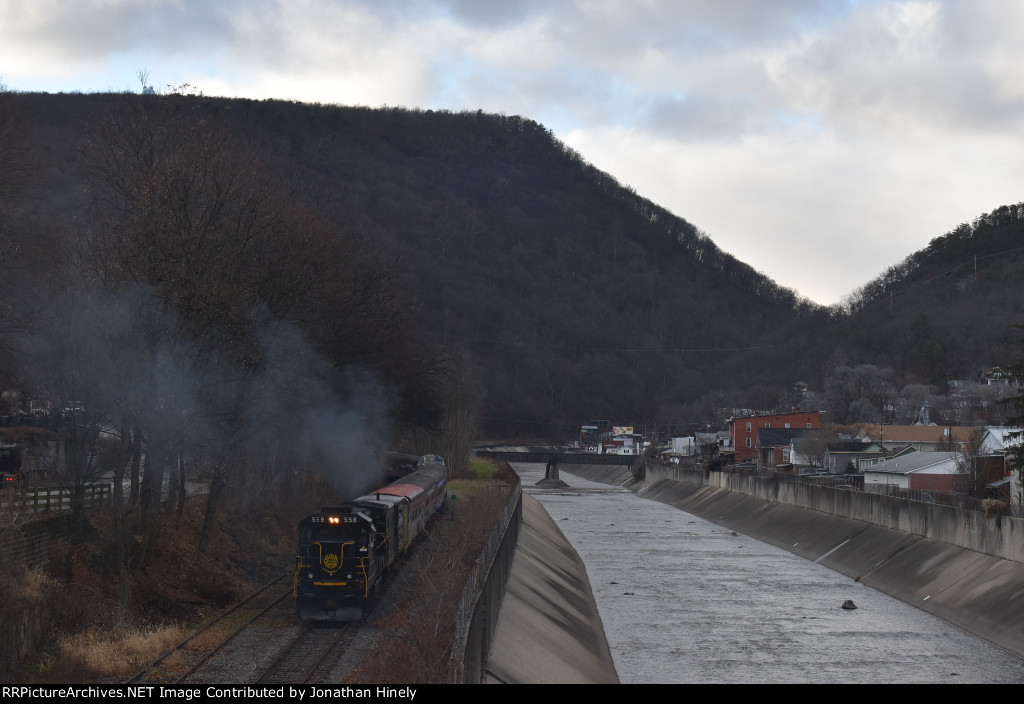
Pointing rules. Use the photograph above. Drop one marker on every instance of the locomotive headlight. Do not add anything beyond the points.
(333, 519)
(311, 575)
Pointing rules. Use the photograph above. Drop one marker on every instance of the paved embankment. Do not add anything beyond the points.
(983, 594)
(548, 629)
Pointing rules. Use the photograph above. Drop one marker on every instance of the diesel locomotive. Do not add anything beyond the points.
(345, 551)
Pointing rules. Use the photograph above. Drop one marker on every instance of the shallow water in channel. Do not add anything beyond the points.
(683, 600)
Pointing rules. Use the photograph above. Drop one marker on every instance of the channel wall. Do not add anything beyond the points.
(962, 566)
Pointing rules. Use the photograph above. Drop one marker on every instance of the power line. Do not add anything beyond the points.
(617, 350)
(974, 260)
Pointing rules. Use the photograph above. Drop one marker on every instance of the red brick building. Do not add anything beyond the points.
(743, 429)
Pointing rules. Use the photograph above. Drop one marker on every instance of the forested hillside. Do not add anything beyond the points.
(930, 327)
(471, 261)
(573, 297)
(945, 310)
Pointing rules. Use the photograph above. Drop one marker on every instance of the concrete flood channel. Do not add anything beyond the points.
(685, 600)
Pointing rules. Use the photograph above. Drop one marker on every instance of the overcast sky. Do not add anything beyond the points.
(820, 141)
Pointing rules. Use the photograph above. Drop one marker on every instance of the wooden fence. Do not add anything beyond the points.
(47, 499)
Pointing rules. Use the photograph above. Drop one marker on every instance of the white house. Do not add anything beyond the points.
(928, 471)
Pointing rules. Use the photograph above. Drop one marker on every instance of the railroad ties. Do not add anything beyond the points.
(311, 655)
(223, 649)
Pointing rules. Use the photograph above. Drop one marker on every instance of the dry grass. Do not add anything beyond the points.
(26, 612)
(995, 507)
(30, 584)
(91, 639)
(100, 653)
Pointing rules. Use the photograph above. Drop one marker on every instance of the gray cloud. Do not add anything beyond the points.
(491, 15)
(95, 30)
(914, 65)
(715, 116)
(894, 120)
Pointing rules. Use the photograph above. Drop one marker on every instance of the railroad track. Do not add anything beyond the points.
(180, 662)
(311, 655)
(314, 652)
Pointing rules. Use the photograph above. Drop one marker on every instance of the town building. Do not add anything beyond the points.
(743, 429)
(930, 438)
(923, 470)
(845, 457)
(774, 446)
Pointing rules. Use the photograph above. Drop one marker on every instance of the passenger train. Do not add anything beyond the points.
(345, 551)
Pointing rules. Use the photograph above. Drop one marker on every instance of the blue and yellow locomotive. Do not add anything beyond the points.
(344, 551)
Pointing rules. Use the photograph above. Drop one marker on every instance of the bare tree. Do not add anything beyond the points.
(181, 214)
(966, 456)
(815, 443)
(14, 178)
(186, 211)
(143, 76)
(461, 394)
